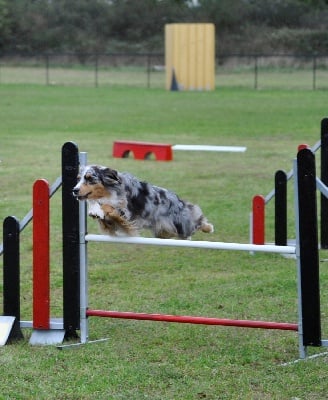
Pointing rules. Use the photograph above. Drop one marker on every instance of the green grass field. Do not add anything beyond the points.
(147, 360)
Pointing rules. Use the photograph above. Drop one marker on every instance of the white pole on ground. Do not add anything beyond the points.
(191, 147)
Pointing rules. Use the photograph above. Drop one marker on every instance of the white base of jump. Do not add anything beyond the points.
(233, 149)
(47, 337)
(6, 325)
(192, 243)
(52, 336)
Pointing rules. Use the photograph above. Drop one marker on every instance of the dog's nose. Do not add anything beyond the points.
(75, 191)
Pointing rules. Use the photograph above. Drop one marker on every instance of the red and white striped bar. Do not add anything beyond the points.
(192, 244)
(183, 319)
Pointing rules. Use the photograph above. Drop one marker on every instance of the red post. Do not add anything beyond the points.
(302, 146)
(258, 219)
(41, 259)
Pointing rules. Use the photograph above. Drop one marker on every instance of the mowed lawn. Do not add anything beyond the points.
(148, 360)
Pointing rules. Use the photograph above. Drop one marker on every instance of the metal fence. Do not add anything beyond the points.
(273, 71)
(148, 70)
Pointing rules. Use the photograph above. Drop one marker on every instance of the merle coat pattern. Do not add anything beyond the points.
(123, 205)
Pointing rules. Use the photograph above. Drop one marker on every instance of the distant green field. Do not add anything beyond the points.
(158, 360)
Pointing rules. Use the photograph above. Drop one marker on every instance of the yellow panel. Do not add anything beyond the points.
(190, 52)
(171, 47)
(168, 56)
(210, 51)
(176, 63)
(200, 57)
(192, 56)
(183, 54)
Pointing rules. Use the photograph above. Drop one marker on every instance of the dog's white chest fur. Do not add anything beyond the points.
(95, 210)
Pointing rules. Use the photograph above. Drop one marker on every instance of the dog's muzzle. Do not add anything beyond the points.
(76, 194)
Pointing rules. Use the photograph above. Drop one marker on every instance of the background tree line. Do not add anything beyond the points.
(242, 26)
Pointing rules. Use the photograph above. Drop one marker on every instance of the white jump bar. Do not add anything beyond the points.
(192, 243)
(191, 147)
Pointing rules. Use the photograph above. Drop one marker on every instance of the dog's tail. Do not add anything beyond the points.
(206, 227)
(202, 224)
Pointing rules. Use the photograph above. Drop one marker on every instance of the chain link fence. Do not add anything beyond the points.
(148, 70)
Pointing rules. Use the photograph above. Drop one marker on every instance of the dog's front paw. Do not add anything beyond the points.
(95, 211)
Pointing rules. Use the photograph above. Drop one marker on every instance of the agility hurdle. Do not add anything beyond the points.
(11, 323)
(279, 193)
(305, 252)
(46, 330)
(188, 244)
(75, 265)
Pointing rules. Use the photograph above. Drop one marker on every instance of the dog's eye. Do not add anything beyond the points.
(88, 178)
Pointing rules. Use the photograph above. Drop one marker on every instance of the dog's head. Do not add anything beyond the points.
(95, 182)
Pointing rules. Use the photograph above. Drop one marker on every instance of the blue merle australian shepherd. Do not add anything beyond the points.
(123, 205)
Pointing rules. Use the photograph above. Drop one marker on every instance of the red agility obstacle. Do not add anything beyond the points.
(142, 150)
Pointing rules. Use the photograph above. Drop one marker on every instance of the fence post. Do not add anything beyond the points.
(96, 70)
(47, 69)
(255, 71)
(308, 249)
(148, 70)
(314, 72)
(71, 240)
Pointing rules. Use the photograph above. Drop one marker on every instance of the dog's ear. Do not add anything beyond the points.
(109, 176)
